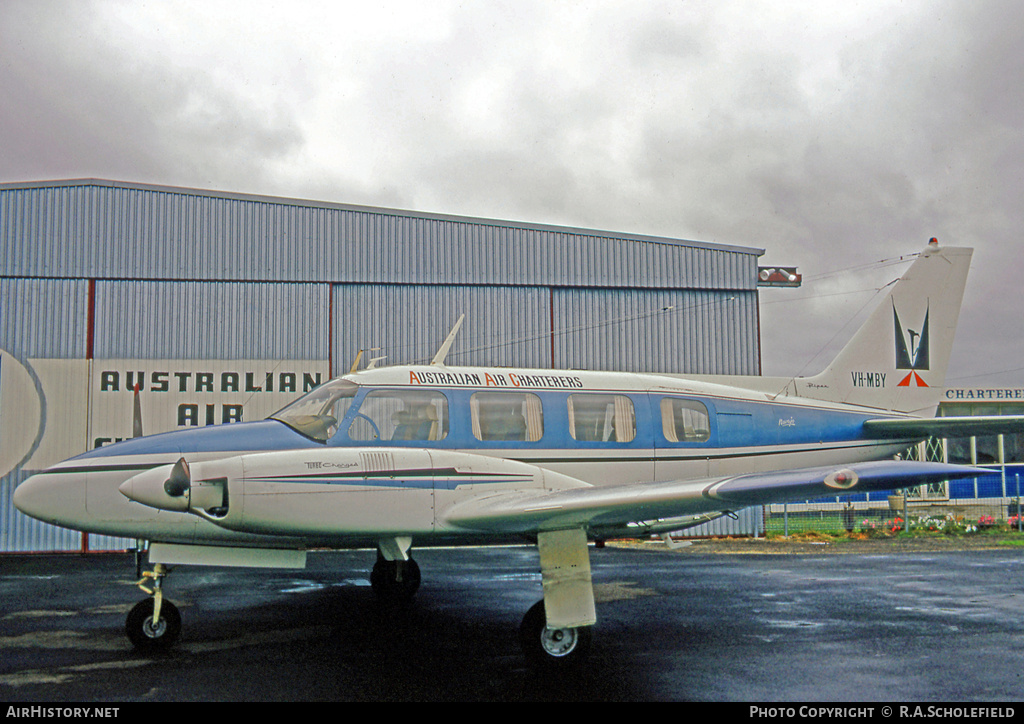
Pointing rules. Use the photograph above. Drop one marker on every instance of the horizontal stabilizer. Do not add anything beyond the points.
(966, 426)
(615, 509)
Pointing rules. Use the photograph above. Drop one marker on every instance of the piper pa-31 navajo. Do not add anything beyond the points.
(434, 455)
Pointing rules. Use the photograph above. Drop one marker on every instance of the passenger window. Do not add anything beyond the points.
(684, 420)
(516, 416)
(601, 418)
(400, 415)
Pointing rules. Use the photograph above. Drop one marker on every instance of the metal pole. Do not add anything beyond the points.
(906, 496)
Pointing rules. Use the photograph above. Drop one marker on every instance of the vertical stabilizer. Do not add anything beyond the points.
(897, 360)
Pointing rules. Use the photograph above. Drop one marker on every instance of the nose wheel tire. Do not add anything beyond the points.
(147, 636)
(552, 648)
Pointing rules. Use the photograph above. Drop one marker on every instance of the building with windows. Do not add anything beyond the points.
(1004, 454)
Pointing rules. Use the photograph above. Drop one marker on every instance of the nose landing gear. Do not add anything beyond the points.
(153, 624)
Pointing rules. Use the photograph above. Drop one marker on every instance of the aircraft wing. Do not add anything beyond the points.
(662, 506)
(964, 426)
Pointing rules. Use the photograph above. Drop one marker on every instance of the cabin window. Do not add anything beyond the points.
(684, 420)
(504, 416)
(601, 418)
(401, 415)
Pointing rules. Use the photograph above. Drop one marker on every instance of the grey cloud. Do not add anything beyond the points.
(73, 106)
(646, 118)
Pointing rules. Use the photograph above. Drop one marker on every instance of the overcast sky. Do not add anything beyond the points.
(836, 136)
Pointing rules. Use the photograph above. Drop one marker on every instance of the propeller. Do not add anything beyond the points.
(136, 414)
(180, 480)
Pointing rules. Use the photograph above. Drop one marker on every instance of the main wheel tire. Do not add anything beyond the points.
(388, 585)
(552, 648)
(146, 637)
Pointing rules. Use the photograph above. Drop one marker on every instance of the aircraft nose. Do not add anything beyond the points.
(51, 497)
(28, 496)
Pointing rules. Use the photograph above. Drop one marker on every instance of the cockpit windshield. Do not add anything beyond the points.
(316, 414)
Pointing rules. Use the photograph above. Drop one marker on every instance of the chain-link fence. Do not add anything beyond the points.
(970, 505)
(894, 514)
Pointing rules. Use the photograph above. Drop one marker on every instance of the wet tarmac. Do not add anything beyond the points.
(672, 626)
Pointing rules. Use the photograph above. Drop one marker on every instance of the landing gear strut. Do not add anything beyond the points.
(555, 633)
(153, 624)
(395, 580)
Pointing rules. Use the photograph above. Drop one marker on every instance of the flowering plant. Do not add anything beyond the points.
(871, 528)
(986, 521)
(953, 525)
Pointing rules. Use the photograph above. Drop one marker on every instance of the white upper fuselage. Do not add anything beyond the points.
(742, 430)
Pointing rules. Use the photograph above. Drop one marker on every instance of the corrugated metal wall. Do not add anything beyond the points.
(646, 330)
(749, 521)
(504, 325)
(102, 230)
(206, 320)
(43, 317)
(640, 330)
(109, 270)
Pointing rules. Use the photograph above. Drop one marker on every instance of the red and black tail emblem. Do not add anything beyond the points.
(912, 356)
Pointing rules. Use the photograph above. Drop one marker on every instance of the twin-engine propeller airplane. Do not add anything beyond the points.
(447, 456)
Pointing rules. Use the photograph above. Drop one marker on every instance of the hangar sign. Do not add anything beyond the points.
(52, 409)
(174, 394)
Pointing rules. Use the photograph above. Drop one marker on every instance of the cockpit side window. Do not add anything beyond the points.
(316, 413)
(401, 415)
(684, 420)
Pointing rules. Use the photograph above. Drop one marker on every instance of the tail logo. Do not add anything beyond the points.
(911, 350)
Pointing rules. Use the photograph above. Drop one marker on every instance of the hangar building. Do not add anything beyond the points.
(219, 307)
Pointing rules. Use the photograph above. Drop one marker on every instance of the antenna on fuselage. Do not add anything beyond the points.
(443, 352)
(355, 363)
(373, 360)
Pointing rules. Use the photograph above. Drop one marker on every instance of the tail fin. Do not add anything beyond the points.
(897, 360)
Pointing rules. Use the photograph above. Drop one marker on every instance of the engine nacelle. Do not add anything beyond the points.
(333, 493)
(198, 488)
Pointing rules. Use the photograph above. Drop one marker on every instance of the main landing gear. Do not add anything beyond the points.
(154, 624)
(552, 648)
(395, 581)
(555, 634)
(555, 648)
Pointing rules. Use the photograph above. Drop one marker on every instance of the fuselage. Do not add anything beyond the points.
(607, 428)
(598, 428)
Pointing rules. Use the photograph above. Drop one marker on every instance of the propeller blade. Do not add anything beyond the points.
(137, 415)
(180, 480)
